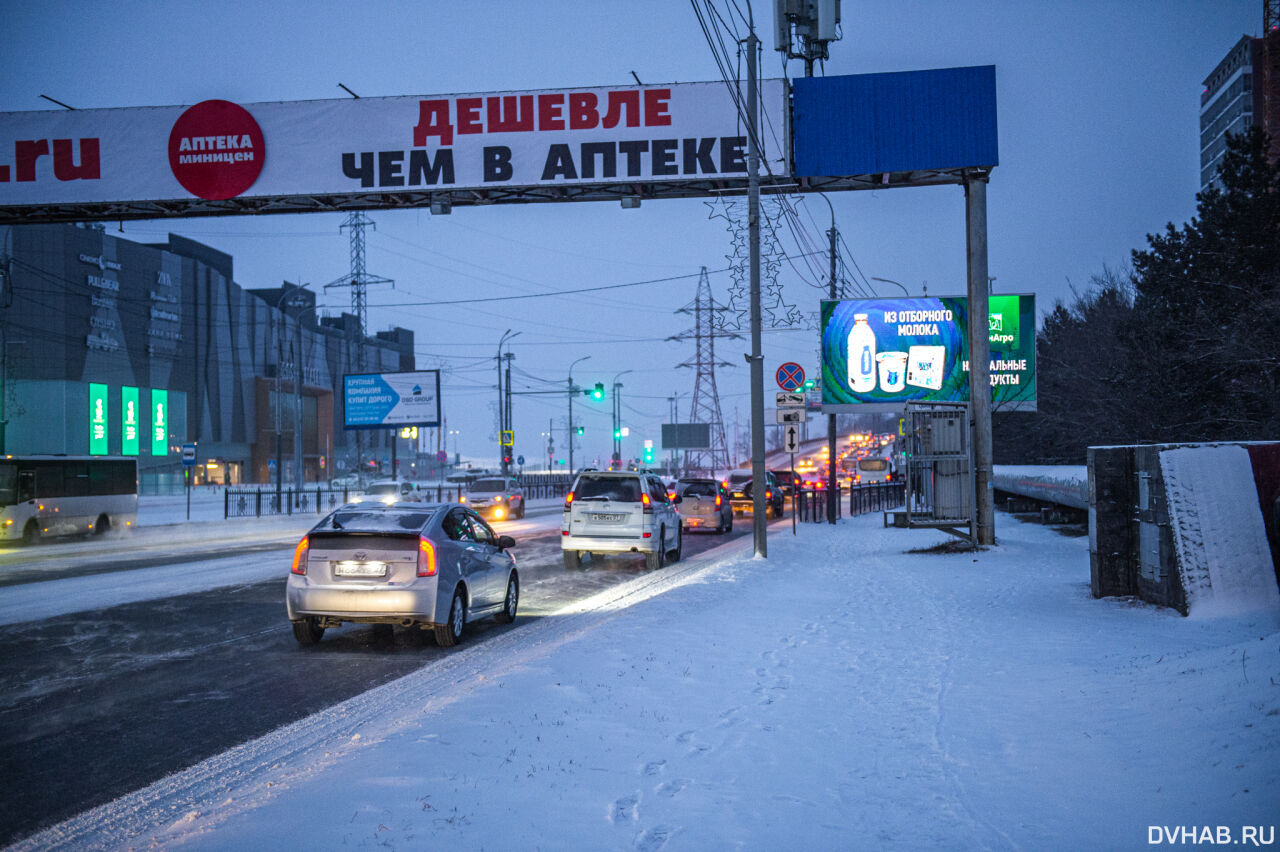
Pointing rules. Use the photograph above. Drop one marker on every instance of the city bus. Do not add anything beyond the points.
(46, 496)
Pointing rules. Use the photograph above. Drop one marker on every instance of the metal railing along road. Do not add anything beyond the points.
(811, 504)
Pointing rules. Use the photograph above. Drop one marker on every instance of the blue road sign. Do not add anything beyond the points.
(520, 460)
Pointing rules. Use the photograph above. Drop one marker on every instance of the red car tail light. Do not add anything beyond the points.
(568, 501)
(426, 558)
(648, 508)
(300, 556)
(717, 501)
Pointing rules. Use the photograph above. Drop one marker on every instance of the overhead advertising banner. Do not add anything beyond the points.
(217, 150)
(391, 400)
(880, 353)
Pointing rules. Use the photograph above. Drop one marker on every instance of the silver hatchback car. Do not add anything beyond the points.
(705, 505)
(424, 565)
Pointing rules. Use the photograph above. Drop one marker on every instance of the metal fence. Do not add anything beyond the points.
(811, 505)
(257, 503)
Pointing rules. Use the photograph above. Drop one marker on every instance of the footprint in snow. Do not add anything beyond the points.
(655, 767)
(626, 809)
(653, 839)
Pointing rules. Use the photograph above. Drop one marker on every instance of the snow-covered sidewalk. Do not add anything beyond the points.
(841, 694)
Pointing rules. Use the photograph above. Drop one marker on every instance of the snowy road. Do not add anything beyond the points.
(117, 671)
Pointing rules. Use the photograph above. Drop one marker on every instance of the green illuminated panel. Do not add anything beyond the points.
(131, 421)
(97, 420)
(159, 422)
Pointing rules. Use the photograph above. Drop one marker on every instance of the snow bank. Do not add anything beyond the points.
(841, 694)
(1218, 530)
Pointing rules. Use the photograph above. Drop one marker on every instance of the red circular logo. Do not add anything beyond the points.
(216, 150)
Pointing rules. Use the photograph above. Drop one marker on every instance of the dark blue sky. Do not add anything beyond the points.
(1098, 120)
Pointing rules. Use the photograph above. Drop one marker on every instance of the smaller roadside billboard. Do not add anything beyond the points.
(880, 353)
(391, 400)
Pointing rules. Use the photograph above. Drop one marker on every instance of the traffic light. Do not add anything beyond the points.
(648, 455)
(579, 430)
(617, 434)
(596, 392)
(808, 385)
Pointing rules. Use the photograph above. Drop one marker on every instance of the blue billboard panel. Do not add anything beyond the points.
(868, 124)
(391, 400)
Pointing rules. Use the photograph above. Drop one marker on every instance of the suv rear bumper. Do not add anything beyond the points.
(609, 544)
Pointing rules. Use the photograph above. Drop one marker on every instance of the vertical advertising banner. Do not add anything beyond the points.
(885, 352)
(130, 418)
(97, 420)
(159, 422)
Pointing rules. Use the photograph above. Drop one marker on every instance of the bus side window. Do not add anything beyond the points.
(26, 485)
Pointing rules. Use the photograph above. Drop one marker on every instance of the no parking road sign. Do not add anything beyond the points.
(790, 376)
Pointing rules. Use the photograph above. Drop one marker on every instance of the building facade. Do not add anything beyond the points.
(1243, 90)
(116, 347)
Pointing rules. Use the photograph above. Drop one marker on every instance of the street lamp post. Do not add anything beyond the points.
(905, 292)
(617, 418)
(571, 389)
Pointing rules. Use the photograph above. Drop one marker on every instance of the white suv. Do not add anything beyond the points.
(620, 512)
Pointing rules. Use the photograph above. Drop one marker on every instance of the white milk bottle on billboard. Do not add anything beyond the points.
(862, 355)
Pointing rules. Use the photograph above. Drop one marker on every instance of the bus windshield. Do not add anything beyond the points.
(8, 484)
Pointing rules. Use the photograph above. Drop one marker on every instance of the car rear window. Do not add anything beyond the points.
(488, 485)
(619, 489)
(365, 521)
(873, 464)
(700, 489)
(739, 478)
(384, 489)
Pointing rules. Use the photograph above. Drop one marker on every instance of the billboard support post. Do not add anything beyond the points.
(757, 358)
(831, 418)
(975, 197)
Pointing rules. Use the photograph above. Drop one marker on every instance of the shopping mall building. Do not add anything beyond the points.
(113, 347)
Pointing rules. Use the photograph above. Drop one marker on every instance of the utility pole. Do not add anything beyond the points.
(510, 449)
(572, 390)
(504, 401)
(297, 405)
(760, 537)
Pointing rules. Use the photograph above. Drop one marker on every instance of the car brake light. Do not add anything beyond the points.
(426, 558)
(462, 499)
(717, 501)
(300, 556)
(648, 508)
(768, 495)
(568, 501)
(888, 476)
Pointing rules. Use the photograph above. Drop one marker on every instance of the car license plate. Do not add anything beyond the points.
(359, 569)
(601, 516)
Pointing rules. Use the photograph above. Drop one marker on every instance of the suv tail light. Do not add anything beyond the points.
(717, 501)
(426, 558)
(568, 501)
(300, 556)
(648, 506)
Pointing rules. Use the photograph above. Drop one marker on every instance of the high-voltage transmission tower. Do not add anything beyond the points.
(358, 280)
(705, 405)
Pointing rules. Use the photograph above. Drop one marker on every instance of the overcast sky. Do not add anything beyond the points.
(1098, 121)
